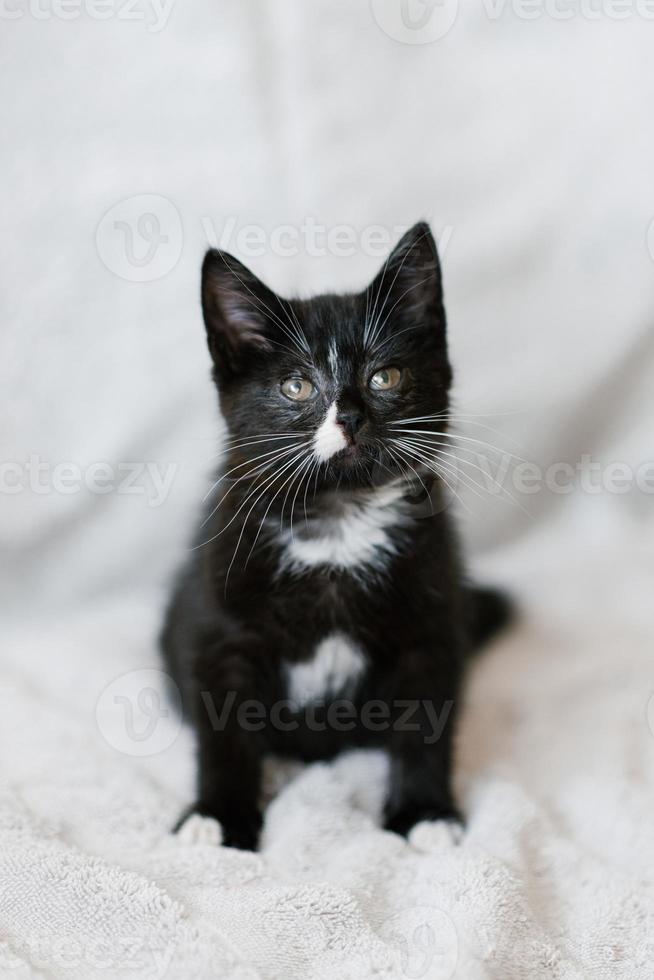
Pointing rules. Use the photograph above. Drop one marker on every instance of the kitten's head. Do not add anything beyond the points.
(325, 384)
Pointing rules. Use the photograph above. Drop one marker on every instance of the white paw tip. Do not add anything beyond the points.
(197, 829)
(429, 835)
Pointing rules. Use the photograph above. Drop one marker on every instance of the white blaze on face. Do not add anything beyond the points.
(329, 438)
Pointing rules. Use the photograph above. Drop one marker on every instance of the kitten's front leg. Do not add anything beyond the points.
(229, 751)
(421, 748)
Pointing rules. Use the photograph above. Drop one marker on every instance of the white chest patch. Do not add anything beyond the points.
(335, 668)
(356, 534)
(329, 437)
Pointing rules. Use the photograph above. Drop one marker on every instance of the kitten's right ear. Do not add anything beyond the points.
(237, 309)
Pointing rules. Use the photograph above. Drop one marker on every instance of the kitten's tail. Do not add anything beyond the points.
(490, 610)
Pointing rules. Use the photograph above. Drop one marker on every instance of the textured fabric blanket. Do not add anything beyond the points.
(551, 879)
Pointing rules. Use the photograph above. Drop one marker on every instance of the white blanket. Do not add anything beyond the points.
(528, 143)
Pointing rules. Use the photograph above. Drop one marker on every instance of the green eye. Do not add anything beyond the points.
(297, 389)
(386, 379)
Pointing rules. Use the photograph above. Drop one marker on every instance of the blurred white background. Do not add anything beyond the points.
(133, 137)
(526, 142)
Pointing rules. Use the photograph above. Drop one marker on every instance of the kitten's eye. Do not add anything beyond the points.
(386, 379)
(297, 389)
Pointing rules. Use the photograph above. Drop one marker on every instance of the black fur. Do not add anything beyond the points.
(242, 615)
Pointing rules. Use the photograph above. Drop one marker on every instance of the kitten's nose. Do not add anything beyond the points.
(350, 421)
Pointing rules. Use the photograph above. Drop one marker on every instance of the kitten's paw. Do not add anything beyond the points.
(196, 829)
(402, 819)
(427, 836)
(201, 824)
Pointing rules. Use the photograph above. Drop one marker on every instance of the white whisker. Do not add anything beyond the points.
(298, 339)
(280, 454)
(305, 470)
(395, 304)
(297, 459)
(455, 437)
(372, 329)
(447, 416)
(438, 471)
(243, 503)
(223, 476)
(412, 468)
(268, 482)
(440, 467)
(420, 445)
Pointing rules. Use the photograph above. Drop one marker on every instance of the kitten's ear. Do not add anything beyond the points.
(237, 308)
(409, 288)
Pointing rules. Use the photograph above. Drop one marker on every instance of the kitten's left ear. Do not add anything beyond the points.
(409, 287)
(238, 312)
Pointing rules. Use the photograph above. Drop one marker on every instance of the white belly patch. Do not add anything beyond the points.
(335, 668)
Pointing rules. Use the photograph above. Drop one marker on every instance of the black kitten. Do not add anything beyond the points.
(324, 606)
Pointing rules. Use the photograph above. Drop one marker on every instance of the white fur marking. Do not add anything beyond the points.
(334, 668)
(332, 357)
(356, 535)
(329, 438)
(200, 830)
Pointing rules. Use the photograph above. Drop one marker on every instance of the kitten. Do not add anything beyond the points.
(323, 608)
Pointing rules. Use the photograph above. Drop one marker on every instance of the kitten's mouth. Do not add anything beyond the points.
(351, 451)
(354, 452)
(356, 460)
